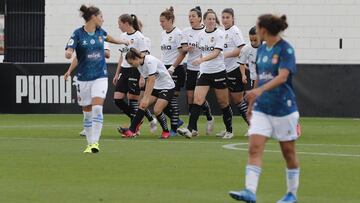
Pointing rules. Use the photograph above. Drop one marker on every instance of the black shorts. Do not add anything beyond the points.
(163, 94)
(214, 80)
(234, 81)
(178, 76)
(191, 78)
(128, 81)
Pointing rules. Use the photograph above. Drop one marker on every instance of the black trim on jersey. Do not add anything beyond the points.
(153, 74)
(132, 33)
(170, 30)
(198, 28)
(184, 43)
(229, 27)
(143, 61)
(241, 45)
(219, 48)
(211, 31)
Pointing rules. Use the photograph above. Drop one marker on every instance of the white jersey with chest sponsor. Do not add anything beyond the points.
(191, 38)
(137, 41)
(233, 39)
(170, 43)
(248, 57)
(153, 66)
(148, 43)
(208, 42)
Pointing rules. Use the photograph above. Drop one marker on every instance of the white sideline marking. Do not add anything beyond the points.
(234, 147)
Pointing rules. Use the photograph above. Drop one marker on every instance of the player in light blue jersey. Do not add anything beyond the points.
(92, 84)
(274, 110)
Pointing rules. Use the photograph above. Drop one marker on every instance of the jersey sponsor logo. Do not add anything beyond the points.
(266, 76)
(44, 89)
(94, 55)
(195, 45)
(165, 47)
(207, 48)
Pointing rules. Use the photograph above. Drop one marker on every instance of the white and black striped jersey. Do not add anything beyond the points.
(137, 41)
(153, 66)
(170, 43)
(191, 38)
(233, 39)
(248, 57)
(208, 42)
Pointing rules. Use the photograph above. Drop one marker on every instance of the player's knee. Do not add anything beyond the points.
(199, 100)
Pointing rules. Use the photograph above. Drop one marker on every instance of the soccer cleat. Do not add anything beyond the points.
(126, 133)
(82, 133)
(137, 130)
(184, 132)
(88, 149)
(180, 123)
(194, 133)
(210, 126)
(153, 125)
(221, 134)
(95, 148)
(243, 195)
(228, 135)
(288, 198)
(165, 135)
(173, 133)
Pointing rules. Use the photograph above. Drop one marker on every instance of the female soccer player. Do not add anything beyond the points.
(212, 75)
(159, 89)
(275, 113)
(88, 42)
(190, 45)
(172, 57)
(234, 41)
(126, 78)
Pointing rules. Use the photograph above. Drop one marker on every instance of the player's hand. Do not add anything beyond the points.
(68, 54)
(190, 48)
(244, 79)
(171, 70)
(141, 82)
(144, 103)
(253, 94)
(66, 75)
(197, 61)
(249, 113)
(115, 79)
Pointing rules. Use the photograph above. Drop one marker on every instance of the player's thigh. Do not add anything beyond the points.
(222, 97)
(237, 97)
(200, 94)
(98, 91)
(83, 91)
(190, 96)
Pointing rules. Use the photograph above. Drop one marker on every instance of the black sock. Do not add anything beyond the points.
(172, 111)
(207, 110)
(227, 118)
(148, 115)
(243, 106)
(122, 105)
(162, 120)
(194, 116)
(189, 108)
(137, 119)
(134, 104)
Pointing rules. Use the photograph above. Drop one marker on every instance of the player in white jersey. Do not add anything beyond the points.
(247, 58)
(191, 46)
(212, 75)
(172, 57)
(234, 42)
(127, 79)
(159, 90)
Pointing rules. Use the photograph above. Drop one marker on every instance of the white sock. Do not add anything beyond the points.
(252, 177)
(97, 122)
(292, 180)
(88, 126)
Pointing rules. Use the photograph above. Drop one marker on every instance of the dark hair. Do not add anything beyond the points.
(169, 14)
(131, 19)
(231, 12)
(213, 12)
(87, 12)
(133, 54)
(197, 10)
(252, 31)
(273, 24)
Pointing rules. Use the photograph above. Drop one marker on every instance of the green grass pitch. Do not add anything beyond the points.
(41, 160)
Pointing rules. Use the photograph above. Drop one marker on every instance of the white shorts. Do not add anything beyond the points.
(86, 90)
(284, 128)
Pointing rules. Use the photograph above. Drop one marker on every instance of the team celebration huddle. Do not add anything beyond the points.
(256, 78)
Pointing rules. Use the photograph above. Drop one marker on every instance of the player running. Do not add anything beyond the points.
(273, 110)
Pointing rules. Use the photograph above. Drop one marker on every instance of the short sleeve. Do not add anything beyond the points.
(184, 39)
(151, 67)
(179, 38)
(287, 59)
(103, 33)
(106, 46)
(73, 41)
(238, 38)
(244, 53)
(219, 41)
(141, 44)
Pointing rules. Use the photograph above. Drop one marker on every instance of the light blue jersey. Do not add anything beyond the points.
(90, 53)
(280, 101)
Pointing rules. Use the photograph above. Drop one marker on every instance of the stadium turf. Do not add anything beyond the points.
(41, 160)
